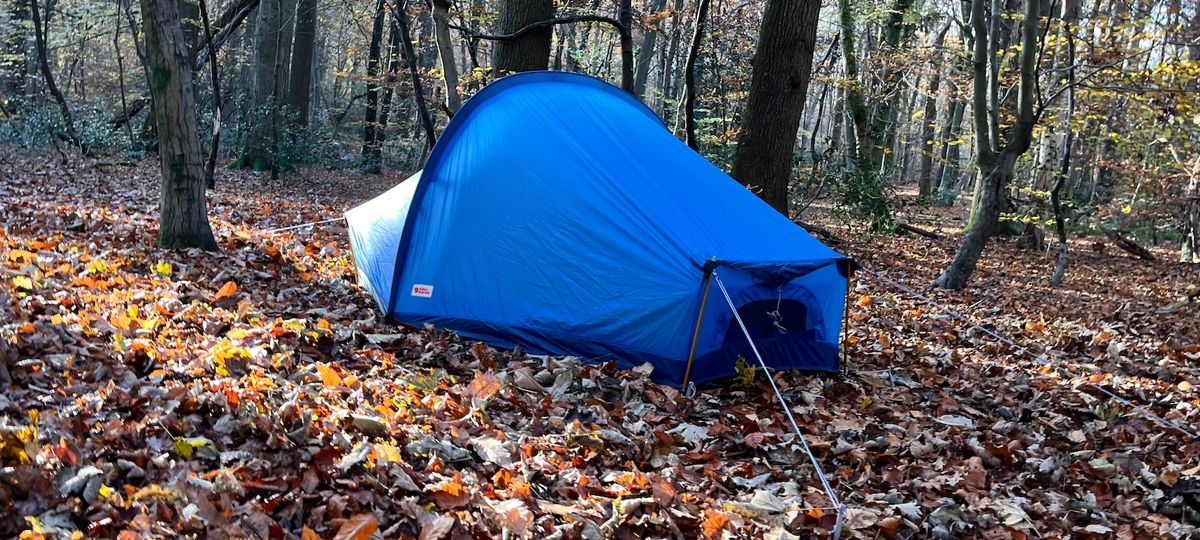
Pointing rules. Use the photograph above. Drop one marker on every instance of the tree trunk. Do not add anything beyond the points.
(13, 54)
(531, 51)
(689, 76)
(667, 88)
(995, 168)
(183, 221)
(300, 74)
(856, 104)
(925, 183)
(260, 142)
(372, 154)
(782, 67)
(210, 168)
(948, 174)
(1189, 252)
(39, 34)
(441, 29)
(646, 52)
(885, 126)
(415, 76)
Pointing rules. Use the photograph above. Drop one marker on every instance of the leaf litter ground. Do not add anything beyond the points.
(255, 393)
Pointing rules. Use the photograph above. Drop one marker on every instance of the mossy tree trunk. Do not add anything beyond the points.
(183, 210)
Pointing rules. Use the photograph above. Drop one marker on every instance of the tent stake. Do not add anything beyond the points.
(687, 372)
(787, 409)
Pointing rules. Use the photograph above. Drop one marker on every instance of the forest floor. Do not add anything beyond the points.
(254, 393)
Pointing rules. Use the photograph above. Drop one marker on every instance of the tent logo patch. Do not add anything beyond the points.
(422, 291)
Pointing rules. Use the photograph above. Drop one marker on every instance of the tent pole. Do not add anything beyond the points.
(687, 372)
(846, 316)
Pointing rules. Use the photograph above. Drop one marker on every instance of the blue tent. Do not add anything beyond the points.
(557, 213)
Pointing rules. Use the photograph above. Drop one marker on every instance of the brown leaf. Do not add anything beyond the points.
(483, 386)
(437, 528)
(359, 527)
(309, 534)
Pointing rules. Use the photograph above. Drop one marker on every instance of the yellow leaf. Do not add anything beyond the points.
(329, 376)
(227, 290)
(1126, 209)
(294, 325)
(23, 282)
(745, 372)
(161, 268)
(388, 453)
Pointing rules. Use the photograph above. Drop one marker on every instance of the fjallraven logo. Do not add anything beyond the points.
(422, 291)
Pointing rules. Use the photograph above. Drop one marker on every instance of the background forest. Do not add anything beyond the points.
(1086, 121)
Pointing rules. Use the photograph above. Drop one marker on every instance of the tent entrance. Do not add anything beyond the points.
(779, 327)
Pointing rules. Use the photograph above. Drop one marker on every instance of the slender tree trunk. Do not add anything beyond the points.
(782, 67)
(415, 76)
(925, 183)
(260, 142)
(530, 52)
(646, 52)
(183, 220)
(391, 56)
(441, 29)
(39, 34)
(210, 171)
(670, 64)
(371, 152)
(948, 175)
(689, 75)
(121, 68)
(885, 126)
(856, 104)
(13, 70)
(300, 74)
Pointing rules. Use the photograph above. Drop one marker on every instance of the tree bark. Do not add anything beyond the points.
(372, 154)
(645, 54)
(13, 59)
(689, 75)
(415, 76)
(441, 30)
(183, 220)
(260, 142)
(884, 128)
(300, 74)
(925, 183)
(210, 170)
(782, 67)
(531, 51)
(39, 36)
(856, 104)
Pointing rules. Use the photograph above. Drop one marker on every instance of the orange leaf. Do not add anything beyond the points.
(309, 534)
(226, 291)
(329, 376)
(485, 385)
(359, 527)
(714, 523)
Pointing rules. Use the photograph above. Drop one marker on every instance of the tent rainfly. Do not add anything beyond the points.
(556, 213)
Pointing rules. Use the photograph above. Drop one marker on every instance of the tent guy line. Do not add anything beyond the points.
(1053, 361)
(787, 409)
